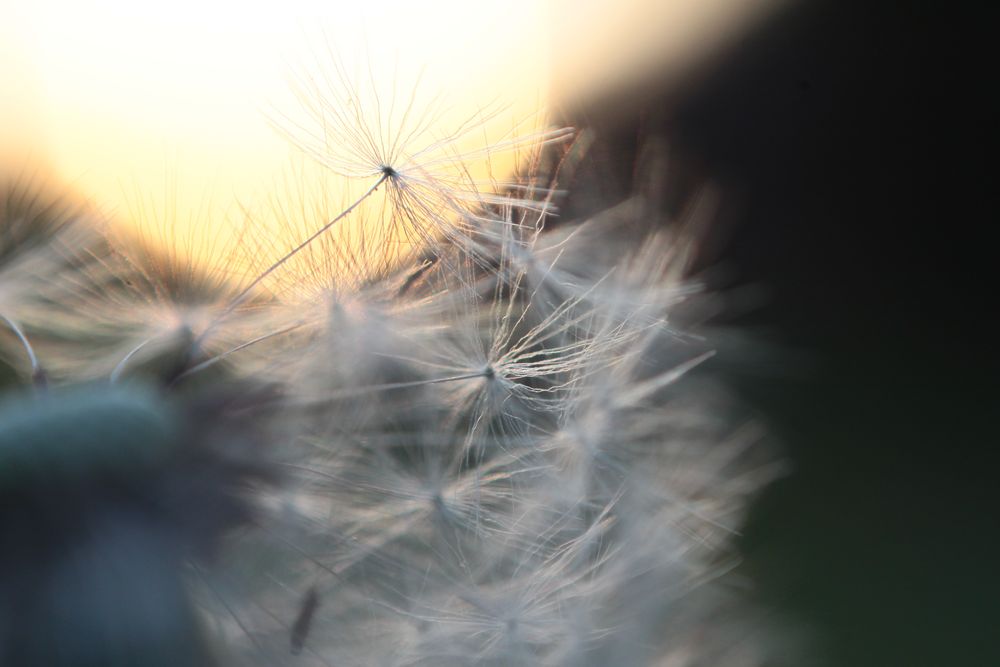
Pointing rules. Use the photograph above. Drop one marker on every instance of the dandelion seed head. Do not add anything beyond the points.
(431, 424)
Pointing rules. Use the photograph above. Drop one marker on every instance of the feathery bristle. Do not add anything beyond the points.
(433, 431)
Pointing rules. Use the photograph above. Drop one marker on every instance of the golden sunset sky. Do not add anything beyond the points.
(174, 105)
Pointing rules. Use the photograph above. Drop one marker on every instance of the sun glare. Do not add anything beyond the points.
(201, 117)
(180, 109)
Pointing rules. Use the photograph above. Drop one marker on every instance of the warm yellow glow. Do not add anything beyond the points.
(144, 105)
(160, 113)
(602, 47)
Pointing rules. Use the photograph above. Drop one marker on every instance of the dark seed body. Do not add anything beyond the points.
(300, 630)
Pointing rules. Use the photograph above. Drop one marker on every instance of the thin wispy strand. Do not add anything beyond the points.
(439, 425)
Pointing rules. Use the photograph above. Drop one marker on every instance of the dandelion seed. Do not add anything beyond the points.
(432, 198)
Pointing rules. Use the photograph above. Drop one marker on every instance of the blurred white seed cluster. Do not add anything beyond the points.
(496, 442)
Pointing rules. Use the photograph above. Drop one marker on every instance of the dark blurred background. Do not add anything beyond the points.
(850, 144)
